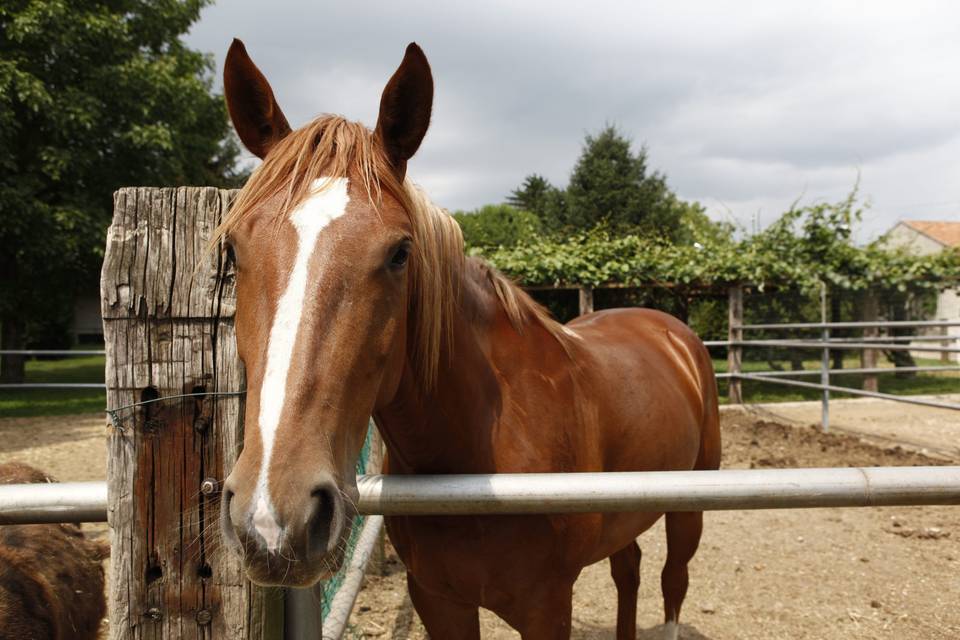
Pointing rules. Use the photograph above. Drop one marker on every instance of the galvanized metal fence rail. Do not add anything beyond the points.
(529, 493)
(825, 344)
(887, 343)
(53, 502)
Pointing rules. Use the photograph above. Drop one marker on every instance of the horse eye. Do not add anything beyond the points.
(400, 256)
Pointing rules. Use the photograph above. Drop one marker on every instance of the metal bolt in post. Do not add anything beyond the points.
(209, 486)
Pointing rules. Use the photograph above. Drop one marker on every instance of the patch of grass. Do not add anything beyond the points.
(50, 402)
(55, 402)
(918, 384)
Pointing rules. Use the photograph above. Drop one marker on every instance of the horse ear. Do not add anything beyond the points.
(405, 108)
(255, 113)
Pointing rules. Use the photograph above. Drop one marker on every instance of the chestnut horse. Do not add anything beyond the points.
(354, 298)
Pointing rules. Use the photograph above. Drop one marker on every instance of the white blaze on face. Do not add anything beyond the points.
(264, 522)
(327, 202)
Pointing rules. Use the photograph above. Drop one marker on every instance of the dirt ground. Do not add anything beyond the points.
(926, 429)
(817, 573)
(802, 573)
(70, 448)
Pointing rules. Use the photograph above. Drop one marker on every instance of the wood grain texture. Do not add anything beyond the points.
(870, 312)
(168, 307)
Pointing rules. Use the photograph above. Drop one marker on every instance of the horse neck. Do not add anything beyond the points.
(449, 428)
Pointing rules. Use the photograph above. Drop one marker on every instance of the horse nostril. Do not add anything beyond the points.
(225, 504)
(226, 520)
(325, 519)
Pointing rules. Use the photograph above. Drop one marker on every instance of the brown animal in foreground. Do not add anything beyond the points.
(354, 297)
(51, 580)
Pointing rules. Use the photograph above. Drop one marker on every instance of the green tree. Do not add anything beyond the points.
(611, 183)
(531, 195)
(538, 196)
(94, 95)
(497, 225)
(695, 226)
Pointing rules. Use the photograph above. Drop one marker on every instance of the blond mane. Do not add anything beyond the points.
(333, 147)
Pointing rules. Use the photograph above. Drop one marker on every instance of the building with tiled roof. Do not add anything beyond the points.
(924, 237)
(946, 233)
(929, 236)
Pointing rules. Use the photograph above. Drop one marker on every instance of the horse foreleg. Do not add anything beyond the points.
(683, 538)
(444, 618)
(543, 614)
(625, 569)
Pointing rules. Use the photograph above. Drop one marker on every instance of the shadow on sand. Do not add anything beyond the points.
(403, 624)
(584, 631)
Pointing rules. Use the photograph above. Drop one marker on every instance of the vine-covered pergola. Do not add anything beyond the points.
(599, 259)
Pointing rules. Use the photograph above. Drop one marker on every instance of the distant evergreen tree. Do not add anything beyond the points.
(532, 194)
(541, 198)
(610, 183)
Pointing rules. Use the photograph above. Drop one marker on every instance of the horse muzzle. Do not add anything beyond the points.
(297, 542)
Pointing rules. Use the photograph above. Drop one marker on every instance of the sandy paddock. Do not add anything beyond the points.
(820, 573)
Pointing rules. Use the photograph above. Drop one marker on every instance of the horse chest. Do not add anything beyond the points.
(486, 560)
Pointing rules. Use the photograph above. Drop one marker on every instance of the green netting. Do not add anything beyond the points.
(332, 585)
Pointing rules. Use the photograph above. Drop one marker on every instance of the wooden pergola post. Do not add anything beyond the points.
(586, 300)
(168, 309)
(734, 335)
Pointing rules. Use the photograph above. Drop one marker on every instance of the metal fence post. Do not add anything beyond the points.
(734, 336)
(301, 613)
(378, 558)
(825, 380)
(825, 361)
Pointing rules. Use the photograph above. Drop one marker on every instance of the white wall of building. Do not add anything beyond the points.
(948, 302)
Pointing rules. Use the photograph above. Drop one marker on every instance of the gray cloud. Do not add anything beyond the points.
(744, 107)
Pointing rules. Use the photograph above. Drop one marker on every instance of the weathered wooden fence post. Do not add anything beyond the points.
(735, 334)
(868, 357)
(945, 343)
(168, 309)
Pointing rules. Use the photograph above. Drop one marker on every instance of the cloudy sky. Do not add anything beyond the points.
(745, 106)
